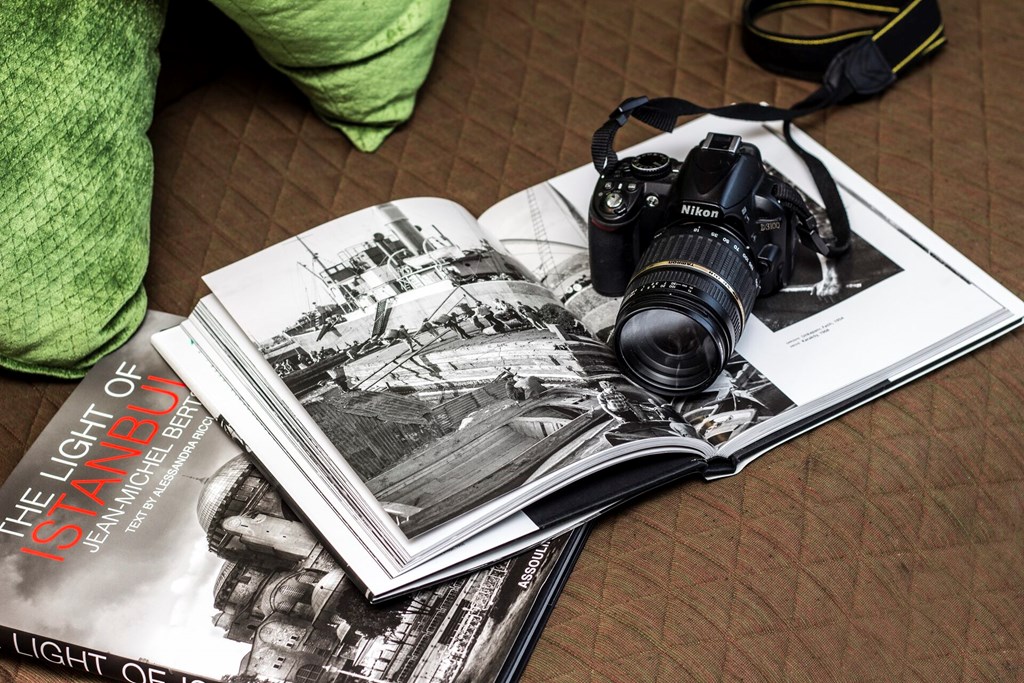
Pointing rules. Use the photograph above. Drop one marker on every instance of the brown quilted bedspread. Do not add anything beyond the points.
(888, 544)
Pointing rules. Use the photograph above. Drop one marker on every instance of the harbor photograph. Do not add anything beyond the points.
(437, 367)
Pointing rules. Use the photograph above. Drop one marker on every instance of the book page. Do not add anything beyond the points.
(430, 361)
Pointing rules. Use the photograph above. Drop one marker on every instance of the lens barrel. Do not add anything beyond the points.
(685, 307)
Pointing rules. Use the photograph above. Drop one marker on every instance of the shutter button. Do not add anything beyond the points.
(613, 201)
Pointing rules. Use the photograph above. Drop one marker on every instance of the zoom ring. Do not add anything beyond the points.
(711, 247)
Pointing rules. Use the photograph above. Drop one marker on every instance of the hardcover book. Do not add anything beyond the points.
(435, 390)
(141, 543)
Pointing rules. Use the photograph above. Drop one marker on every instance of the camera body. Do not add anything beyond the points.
(721, 183)
(689, 246)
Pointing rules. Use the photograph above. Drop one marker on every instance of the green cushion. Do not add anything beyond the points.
(359, 62)
(77, 80)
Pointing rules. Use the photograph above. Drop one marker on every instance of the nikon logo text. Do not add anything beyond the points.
(698, 211)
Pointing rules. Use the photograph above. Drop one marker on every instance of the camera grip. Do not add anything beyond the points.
(611, 260)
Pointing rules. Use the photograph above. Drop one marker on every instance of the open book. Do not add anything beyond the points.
(433, 391)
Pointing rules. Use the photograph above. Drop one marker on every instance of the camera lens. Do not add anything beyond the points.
(669, 348)
(684, 308)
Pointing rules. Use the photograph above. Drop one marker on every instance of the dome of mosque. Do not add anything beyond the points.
(220, 488)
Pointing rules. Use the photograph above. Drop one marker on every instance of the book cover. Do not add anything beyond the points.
(138, 541)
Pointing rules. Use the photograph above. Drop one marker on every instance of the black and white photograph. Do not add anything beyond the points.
(547, 232)
(639, 415)
(443, 375)
(354, 269)
(818, 283)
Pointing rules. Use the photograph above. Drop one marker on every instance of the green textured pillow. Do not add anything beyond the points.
(360, 62)
(77, 80)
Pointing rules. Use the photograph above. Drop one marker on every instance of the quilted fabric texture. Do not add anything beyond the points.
(886, 545)
(359, 63)
(76, 99)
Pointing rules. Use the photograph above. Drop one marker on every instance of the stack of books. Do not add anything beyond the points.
(373, 451)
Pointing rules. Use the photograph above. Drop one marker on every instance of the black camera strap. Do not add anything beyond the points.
(850, 65)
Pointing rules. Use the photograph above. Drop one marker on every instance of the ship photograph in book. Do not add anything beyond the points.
(442, 373)
(138, 540)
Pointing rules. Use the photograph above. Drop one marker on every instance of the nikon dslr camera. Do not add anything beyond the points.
(690, 246)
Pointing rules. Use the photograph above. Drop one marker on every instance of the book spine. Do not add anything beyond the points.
(58, 653)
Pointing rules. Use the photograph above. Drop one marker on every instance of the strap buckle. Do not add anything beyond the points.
(628, 106)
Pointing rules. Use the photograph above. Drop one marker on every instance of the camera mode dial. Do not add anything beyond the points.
(650, 165)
